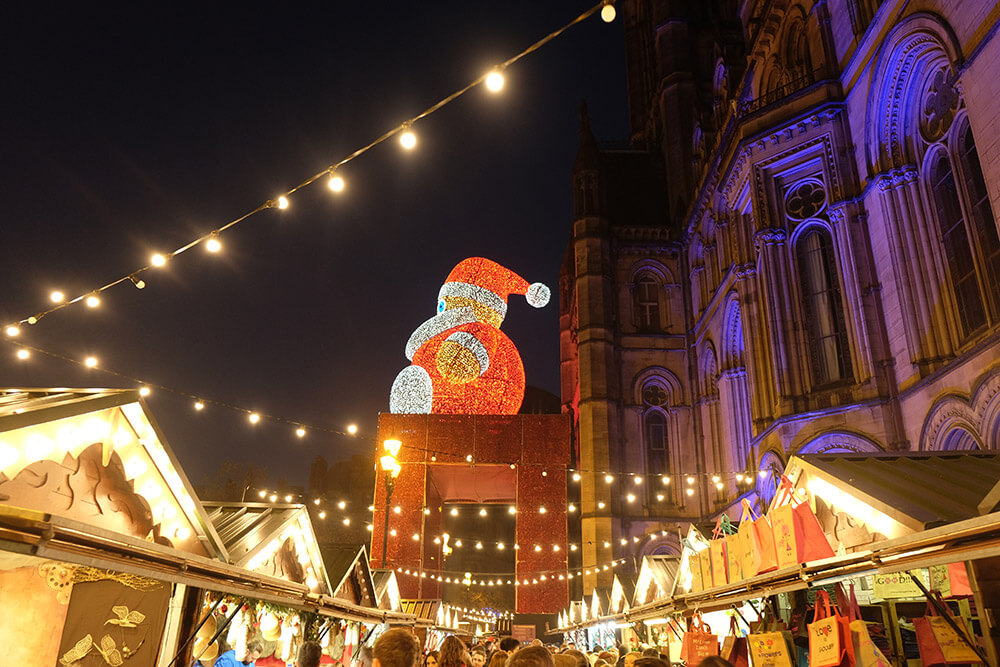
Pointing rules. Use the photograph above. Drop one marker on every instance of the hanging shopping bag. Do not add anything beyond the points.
(770, 649)
(951, 580)
(705, 563)
(759, 555)
(717, 549)
(829, 636)
(734, 647)
(798, 537)
(866, 654)
(734, 558)
(700, 642)
(694, 565)
(938, 642)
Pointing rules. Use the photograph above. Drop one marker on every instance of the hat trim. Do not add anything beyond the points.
(476, 293)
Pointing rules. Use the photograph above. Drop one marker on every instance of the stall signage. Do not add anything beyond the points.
(897, 585)
(523, 633)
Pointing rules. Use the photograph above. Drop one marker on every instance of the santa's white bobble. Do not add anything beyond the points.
(537, 295)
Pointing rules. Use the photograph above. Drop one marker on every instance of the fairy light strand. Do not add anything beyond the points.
(281, 201)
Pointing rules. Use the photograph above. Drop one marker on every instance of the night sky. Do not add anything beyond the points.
(132, 130)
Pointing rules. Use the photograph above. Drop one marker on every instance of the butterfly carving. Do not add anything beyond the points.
(81, 649)
(109, 651)
(126, 618)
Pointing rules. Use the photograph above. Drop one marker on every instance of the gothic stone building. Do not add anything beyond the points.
(797, 252)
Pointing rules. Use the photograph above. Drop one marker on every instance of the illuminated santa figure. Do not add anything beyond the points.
(462, 362)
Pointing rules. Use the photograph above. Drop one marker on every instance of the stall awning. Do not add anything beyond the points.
(656, 578)
(350, 574)
(919, 490)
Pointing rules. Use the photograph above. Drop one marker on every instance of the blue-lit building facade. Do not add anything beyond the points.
(796, 252)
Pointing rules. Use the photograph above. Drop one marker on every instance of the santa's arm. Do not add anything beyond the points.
(462, 357)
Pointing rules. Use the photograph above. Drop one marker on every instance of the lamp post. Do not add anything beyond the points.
(390, 470)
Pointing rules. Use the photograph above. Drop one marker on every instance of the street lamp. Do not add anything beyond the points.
(390, 469)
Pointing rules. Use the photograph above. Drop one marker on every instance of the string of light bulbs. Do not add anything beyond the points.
(494, 82)
(508, 579)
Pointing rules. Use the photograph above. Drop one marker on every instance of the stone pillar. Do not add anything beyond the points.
(758, 351)
(851, 271)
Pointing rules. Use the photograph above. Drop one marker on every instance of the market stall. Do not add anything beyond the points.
(107, 555)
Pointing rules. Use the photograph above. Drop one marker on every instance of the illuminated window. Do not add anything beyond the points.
(655, 436)
(984, 225)
(957, 248)
(822, 307)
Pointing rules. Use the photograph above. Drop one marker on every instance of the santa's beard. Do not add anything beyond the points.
(438, 324)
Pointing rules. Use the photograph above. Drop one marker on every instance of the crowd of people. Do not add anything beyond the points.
(400, 648)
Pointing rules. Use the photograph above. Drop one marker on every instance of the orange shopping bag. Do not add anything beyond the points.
(699, 642)
(866, 654)
(938, 642)
(830, 642)
(798, 537)
(759, 555)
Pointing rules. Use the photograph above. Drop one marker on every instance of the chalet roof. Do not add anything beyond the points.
(341, 560)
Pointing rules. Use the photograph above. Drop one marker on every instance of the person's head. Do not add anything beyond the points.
(478, 655)
(536, 642)
(396, 648)
(431, 659)
(509, 644)
(714, 661)
(309, 655)
(532, 656)
(563, 660)
(648, 661)
(578, 656)
(452, 652)
(365, 656)
(498, 659)
(600, 663)
(254, 649)
(630, 659)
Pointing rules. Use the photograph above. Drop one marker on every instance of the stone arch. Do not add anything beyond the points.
(840, 442)
(709, 370)
(658, 544)
(732, 327)
(770, 470)
(663, 377)
(959, 439)
(651, 266)
(915, 48)
(948, 413)
(986, 403)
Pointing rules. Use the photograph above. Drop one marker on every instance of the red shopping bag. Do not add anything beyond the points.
(938, 642)
(798, 537)
(951, 580)
(734, 647)
(699, 642)
(830, 642)
(866, 654)
(759, 555)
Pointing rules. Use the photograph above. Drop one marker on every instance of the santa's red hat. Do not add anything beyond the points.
(486, 282)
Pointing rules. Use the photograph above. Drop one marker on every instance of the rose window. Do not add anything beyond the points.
(805, 199)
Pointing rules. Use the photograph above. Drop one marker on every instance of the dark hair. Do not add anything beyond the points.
(255, 645)
(532, 656)
(651, 652)
(365, 656)
(714, 661)
(309, 654)
(646, 661)
(509, 644)
(397, 648)
(430, 654)
(452, 652)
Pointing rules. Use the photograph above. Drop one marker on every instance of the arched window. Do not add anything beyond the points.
(655, 433)
(957, 249)
(822, 307)
(984, 225)
(647, 303)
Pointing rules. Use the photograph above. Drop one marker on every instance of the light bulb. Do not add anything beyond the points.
(542, 510)
(630, 497)
(500, 546)
(600, 504)
(301, 432)
(23, 354)
(555, 547)
(157, 260)
(479, 545)
(538, 547)
(254, 417)
(352, 428)
(482, 512)
(144, 391)
(198, 405)
(637, 479)
(494, 81)
(690, 492)
(763, 474)
(690, 480)
(718, 485)
(262, 493)
(282, 202)
(454, 511)
(213, 245)
(608, 479)
(92, 301)
(608, 13)
(407, 139)
(624, 541)
(288, 498)
(342, 504)
(607, 545)
(393, 532)
(511, 510)
(322, 515)
(715, 479)
(336, 183)
(273, 498)
(572, 547)
(397, 510)
(57, 296)
(572, 507)
(659, 496)
(90, 362)
(576, 477)
(416, 537)
(138, 282)
(427, 511)
(13, 331)
(369, 527)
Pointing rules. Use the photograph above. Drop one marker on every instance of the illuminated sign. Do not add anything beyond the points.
(462, 362)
